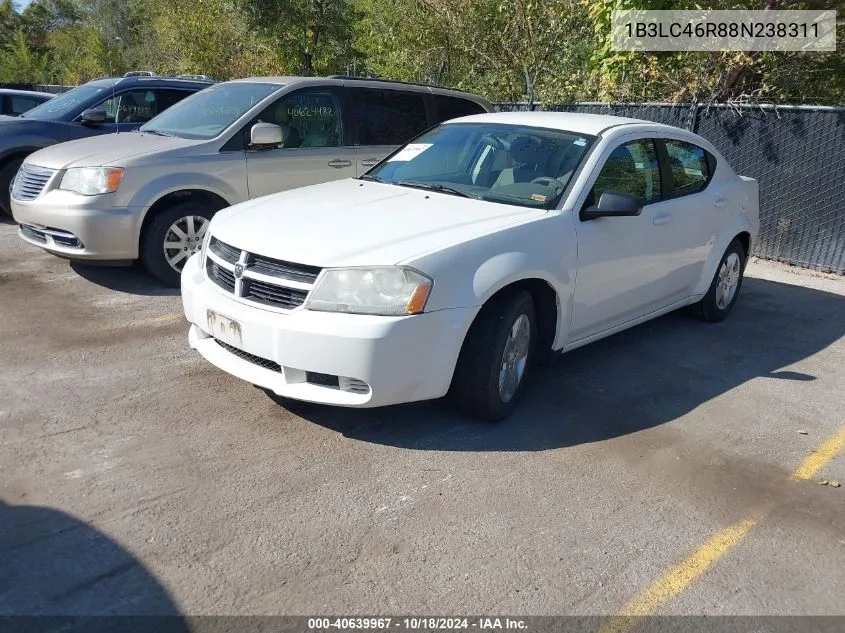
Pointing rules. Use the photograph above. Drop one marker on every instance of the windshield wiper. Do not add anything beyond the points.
(371, 178)
(430, 186)
(156, 132)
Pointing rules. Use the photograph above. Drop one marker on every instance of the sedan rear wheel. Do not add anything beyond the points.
(724, 289)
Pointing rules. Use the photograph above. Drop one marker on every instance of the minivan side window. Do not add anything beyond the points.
(689, 166)
(307, 119)
(631, 169)
(388, 117)
(132, 106)
(453, 107)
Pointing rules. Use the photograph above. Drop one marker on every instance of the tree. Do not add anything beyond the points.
(314, 36)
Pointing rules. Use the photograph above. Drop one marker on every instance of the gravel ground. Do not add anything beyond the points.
(137, 478)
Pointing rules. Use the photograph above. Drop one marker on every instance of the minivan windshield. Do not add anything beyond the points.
(511, 164)
(208, 112)
(62, 105)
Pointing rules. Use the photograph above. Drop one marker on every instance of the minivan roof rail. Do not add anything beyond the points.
(390, 81)
(205, 77)
(140, 73)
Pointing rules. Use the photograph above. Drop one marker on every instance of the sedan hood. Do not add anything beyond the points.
(105, 149)
(357, 223)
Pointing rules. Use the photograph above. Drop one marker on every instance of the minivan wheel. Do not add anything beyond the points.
(7, 174)
(172, 237)
(717, 304)
(491, 373)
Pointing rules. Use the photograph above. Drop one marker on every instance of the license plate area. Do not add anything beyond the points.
(224, 329)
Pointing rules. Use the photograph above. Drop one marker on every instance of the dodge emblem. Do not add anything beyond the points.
(239, 271)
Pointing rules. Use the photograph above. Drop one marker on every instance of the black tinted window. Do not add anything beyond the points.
(388, 117)
(453, 107)
(166, 98)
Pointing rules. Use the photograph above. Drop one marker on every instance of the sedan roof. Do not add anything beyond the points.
(591, 124)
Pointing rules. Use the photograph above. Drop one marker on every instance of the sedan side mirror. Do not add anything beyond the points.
(93, 117)
(612, 204)
(265, 136)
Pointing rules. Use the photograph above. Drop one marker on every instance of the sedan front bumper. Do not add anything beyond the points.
(332, 358)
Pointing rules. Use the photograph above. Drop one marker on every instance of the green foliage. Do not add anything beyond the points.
(536, 50)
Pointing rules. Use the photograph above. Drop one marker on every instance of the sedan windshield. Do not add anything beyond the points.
(512, 164)
(207, 113)
(68, 102)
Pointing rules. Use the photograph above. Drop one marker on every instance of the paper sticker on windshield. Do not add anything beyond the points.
(410, 151)
(580, 142)
(538, 197)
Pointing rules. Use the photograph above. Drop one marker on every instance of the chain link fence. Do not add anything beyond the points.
(797, 153)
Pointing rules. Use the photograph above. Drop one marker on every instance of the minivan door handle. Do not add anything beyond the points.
(368, 162)
(339, 162)
(662, 219)
(720, 202)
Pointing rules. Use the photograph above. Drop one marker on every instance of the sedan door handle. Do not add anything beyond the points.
(338, 162)
(662, 219)
(720, 202)
(368, 162)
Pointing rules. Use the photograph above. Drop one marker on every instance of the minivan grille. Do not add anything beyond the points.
(29, 181)
(246, 276)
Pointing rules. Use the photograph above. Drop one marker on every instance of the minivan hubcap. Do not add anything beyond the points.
(728, 281)
(514, 358)
(183, 239)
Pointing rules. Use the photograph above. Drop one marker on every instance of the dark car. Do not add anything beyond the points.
(98, 107)
(15, 102)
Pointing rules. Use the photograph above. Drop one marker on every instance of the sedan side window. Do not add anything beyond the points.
(631, 169)
(307, 119)
(689, 166)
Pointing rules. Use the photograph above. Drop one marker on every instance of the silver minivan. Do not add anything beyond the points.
(149, 194)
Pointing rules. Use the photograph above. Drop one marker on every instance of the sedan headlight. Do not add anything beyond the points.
(385, 290)
(91, 181)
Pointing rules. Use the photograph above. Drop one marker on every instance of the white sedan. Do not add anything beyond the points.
(468, 255)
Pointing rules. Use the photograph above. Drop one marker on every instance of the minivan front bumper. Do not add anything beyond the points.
(333, 358)
(102, 232)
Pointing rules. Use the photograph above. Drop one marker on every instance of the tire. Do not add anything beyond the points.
(7, 174)
(152, 241)
(715, 305)
(476, 384)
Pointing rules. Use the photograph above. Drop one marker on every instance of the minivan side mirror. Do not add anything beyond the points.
(265, 136)
(92, 116)
(612, 204)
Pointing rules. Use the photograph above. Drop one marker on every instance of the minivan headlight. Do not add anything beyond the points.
(91, 181)
(382, 290)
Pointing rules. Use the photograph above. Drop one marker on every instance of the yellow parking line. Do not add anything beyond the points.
(814, 462)
(679, 577)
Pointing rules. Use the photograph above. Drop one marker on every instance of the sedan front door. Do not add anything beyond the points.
(625, 264)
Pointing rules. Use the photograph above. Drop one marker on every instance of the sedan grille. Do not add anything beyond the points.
(29, 181)
(274, 295)
(259, 279)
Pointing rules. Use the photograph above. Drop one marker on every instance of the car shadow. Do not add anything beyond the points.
(57, 568)
(132, 279)
(634, 380)
(6, 219)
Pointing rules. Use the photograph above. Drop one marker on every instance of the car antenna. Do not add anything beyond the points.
(115, 38)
